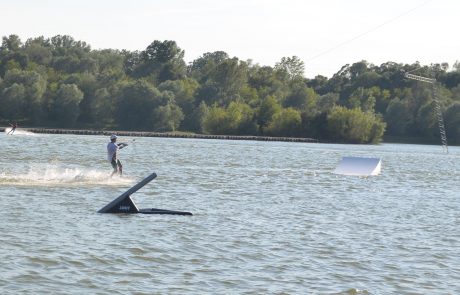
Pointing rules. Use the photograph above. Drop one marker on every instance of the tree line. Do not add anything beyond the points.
(61, 82)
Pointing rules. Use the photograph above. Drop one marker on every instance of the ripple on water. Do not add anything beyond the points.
(269, 218)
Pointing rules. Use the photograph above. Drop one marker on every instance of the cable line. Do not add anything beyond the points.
(369, 31)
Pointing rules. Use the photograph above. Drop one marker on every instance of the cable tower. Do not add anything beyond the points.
(437, 106)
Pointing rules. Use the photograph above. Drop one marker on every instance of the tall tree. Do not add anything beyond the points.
(12, 101)
(452, 122)
(12, 43)
(66, 106)
(34, 86)
(301, 98)
(287, 122)
(201, 67)
(163, 61)
(224, 83)
(136, 103)
(167, 117)
(398, 117)
(266, 111)
(354, 126)
(293, 67)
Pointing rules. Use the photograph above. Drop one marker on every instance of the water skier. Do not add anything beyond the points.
(112, 154)
(13, 128)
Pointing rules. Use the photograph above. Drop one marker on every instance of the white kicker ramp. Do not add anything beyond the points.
(359, 166)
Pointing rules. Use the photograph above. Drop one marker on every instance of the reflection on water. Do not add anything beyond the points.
(269, 218)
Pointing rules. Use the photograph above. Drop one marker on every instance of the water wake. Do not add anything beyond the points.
(53, 175)
(19, 132)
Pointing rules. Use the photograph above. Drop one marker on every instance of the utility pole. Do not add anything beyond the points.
(437, 106)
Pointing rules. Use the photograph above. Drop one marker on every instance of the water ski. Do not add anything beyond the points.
(124, 203)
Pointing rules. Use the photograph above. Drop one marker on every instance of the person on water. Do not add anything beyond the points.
(112, 154)
(13, 128)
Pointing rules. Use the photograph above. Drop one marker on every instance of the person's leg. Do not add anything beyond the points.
(120, 167)
(114, 166)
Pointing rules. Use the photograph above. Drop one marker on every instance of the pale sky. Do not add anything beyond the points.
(325, 34)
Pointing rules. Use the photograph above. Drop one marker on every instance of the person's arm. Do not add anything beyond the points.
(122, 145)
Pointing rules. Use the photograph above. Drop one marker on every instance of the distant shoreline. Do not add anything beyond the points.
(163, 134)
(386, 139)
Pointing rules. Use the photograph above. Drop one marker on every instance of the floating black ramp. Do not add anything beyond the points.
(124, 203)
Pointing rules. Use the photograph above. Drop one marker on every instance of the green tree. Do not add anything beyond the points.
(201, 67)
(452, 123)
(266, 111)
(38, 50)
(287, 123)
(368, 79)
(66, 105)
(358, 69)
(103, 108)
(119, 91)
(184, 92)
(12, 55)
(12, 101)
(422, 94)
(65, 45)
(11, 43)
(318, 84)
(426, 121)
(267, 83)
(87, 83)
(369, 99)
(108, 60)
(163, 61)
(167, 117)
(398, 117)
(293, 67)
(228, 79)
(195, 121)
(135, 105)
(456, 93)
(354, 126)
(241, 116)
(237, 118)
(301, 98)
(215, 121)
(131, 62)
(34, 86)
(327, 101)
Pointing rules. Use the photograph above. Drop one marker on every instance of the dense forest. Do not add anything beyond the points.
(61, 82)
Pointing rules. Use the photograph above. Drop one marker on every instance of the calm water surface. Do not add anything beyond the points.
(269, 218)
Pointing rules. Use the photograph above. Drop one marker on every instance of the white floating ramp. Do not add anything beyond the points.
(359, 166)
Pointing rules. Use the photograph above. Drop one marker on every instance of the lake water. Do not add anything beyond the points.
(269, 218)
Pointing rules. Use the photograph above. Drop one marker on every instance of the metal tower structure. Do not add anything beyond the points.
(437, 106)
